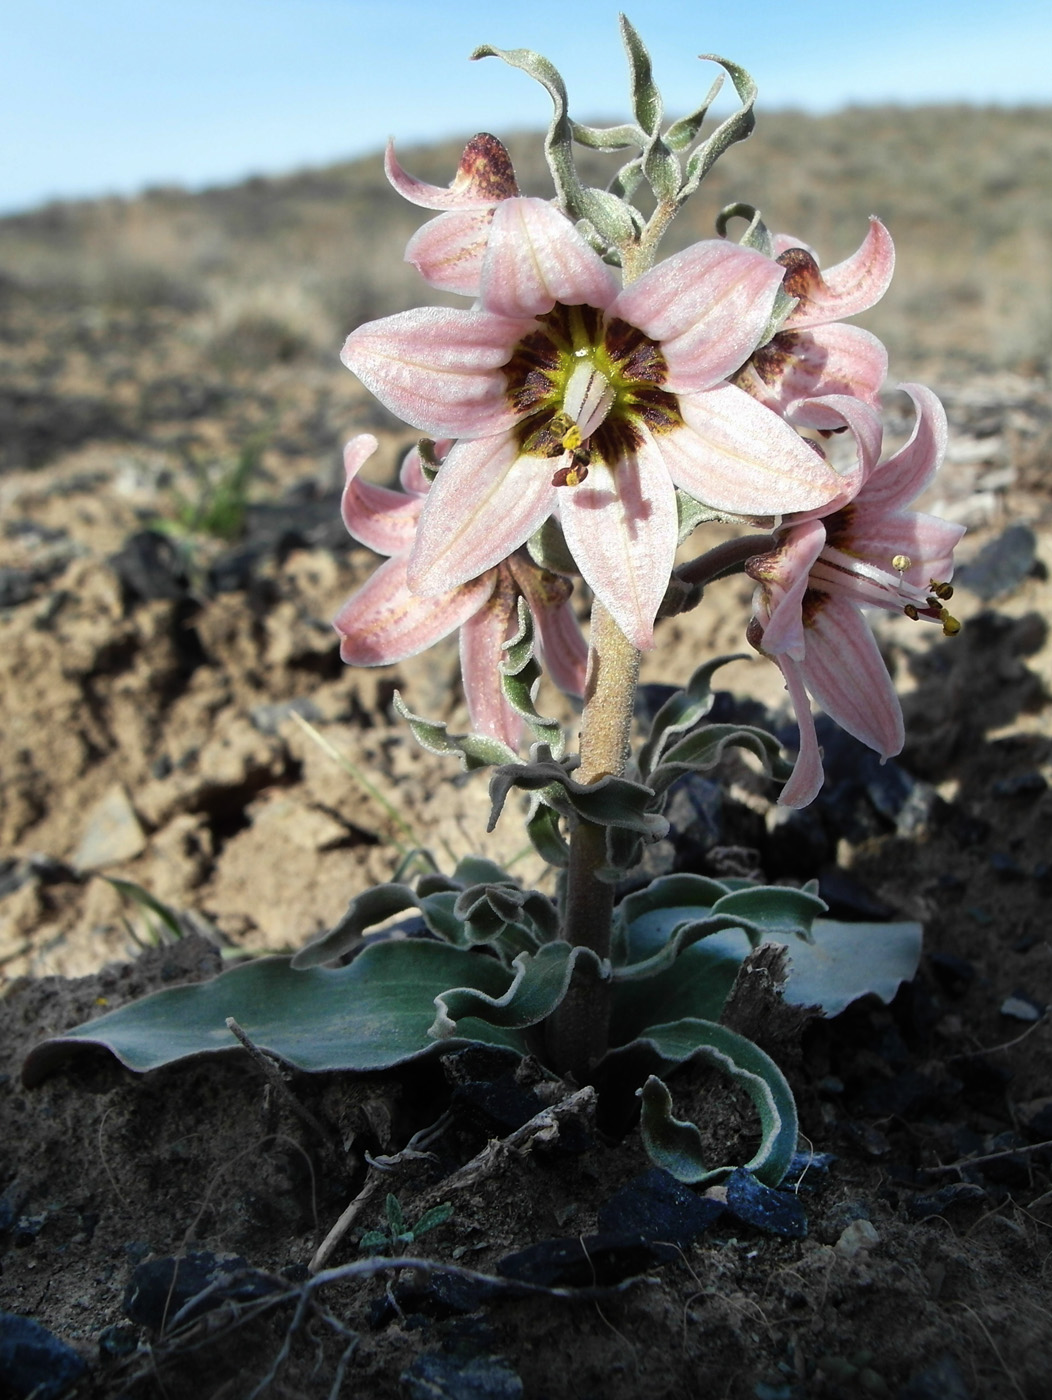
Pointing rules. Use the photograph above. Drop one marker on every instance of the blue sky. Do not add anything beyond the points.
(109, 96)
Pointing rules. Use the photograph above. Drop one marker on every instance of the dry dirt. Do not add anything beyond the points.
(150, 738)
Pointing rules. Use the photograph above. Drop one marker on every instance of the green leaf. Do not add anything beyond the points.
(473, 750)
(539, 985)
(757, 235)
(519, 677)
(395, 1214)
(646, 100)
(370, 907)
(675, 1145)
(542, 827)
(681, 711)
(608, 138)
(548, 549)
(682, 132)
(736, 127)
(611, 801)
(558, 142)
(783, 914)
(701, 751)
(437, 1215)
(370, 1015)
(843, 962)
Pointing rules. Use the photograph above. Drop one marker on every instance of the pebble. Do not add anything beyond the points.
(112, 833)
(436, 1376)
(773, 1212)
(33, 1362)
(858, 1238)
(656, 1206)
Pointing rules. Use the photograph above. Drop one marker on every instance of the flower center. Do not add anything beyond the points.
(587, 386)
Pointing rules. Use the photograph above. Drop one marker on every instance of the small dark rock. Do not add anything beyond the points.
(150, 567)
(1006, 867)
(436, 1376)
(773, 1212)
(940, 1381)
(807, 1170)
(1002, 565)
(656, 1206)
(953, 974)
(160, 1288)
(584, 1262)
(849, 898)
(118, 1341)
(1031, 784)
(33, 1362)
(960, 1193)
(268, 719)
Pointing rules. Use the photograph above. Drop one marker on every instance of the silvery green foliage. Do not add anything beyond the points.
(669, 161)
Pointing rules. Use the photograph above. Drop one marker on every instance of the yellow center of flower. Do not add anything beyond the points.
(587, 386)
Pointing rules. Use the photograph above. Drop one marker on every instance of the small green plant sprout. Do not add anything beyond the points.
(219, 507)
(585, 415)
(396, 1236)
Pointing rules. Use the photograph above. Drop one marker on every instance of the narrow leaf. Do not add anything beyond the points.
(736, 127)
(539, 985)
(370, 907)
(473, 750)
(682, 711)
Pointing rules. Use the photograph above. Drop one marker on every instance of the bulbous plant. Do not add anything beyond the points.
(586, 415)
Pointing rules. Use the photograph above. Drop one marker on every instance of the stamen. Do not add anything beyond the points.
(941, 590)
(902, 563)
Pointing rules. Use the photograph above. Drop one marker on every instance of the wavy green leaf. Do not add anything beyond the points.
(675, 1145)
(370, 1015)
(473, 750)
(539, 985)
(365, 910)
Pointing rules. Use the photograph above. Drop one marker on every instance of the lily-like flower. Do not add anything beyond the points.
(448, 251)
(567, 393)
(814, 354)
(871, 552)
(384, 622)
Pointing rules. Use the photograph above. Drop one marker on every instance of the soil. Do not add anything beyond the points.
(149, 735)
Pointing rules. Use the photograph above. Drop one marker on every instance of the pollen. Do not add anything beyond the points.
(570, 476)
(902, 563)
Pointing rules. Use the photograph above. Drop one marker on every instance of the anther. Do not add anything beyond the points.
(902, 563)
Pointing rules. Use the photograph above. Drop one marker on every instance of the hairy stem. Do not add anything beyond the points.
(577, 1030)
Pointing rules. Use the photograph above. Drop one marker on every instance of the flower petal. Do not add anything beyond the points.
(486, 501)
(834, 359)
(448, 251)
(849, 287)
(562, 644)
(844, 671)
(737, 456)
(438, 368)
(381, 519)
(707, 306)
(904, 476)
(482, 638)
(384, 622)
(783, 576)
(808, 776)
(535, 257)
(621, 526)
(484, 176)
(876, 537)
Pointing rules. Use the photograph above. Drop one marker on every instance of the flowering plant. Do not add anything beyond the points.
(585, 417)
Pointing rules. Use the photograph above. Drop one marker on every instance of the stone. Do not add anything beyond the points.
(112, 833)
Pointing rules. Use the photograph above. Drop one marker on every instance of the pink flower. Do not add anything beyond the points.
(448, 251)
(384, 622)
(814, 355)
(869, 553)
(566, 393)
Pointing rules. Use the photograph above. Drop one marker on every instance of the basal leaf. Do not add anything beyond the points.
(370, 1015)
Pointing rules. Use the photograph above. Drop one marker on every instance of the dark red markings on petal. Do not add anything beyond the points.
(802, 275)
(814, 601)
(778, 356)
(615, 439)
(634, 355)
(486, 169)
(658, 410)
(838, 529)
(531, 371)
(541, 434)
